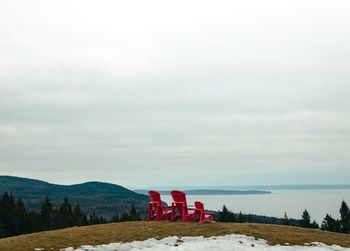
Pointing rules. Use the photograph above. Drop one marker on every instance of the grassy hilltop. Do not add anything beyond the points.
(130, 231)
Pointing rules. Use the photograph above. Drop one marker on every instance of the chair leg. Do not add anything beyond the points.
(188, 217)
(149, 212)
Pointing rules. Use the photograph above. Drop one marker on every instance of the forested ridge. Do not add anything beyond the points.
(104, 199)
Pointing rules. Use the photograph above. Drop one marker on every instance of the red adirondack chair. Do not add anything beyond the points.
(201, 214)
(180, 208)
(156, 211)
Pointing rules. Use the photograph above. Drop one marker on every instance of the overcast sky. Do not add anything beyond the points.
(152, 93)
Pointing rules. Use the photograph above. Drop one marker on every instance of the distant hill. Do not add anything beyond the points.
(105, 198)
(210, 192)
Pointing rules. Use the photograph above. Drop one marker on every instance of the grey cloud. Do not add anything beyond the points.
(235, 93)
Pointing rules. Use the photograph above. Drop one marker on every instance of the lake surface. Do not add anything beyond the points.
(317, 202)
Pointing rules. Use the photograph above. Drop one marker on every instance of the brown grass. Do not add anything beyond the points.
(129, 231)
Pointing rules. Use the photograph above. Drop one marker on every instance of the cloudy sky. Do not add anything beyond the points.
(152, 93)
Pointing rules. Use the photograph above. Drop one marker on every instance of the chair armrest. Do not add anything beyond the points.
(174, 203)
(204, 212)
(167, 206)
(211, 213)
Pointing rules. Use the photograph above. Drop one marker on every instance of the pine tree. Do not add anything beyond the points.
(94, 219)
(20, 218)
(327, 223)
(64, 215)
(241, 217)
(102, 220)
(78, 215)
(250, 218)
(330, 224)
(46, 214)
(85, 220)
(125, 217)
(344, 217)
(8, 213)
(349, 219)
(115, 217)
(306, 218)
(33, 222)
(3, 232)
(226, 216)
(314, 225)
(286, 220)
(134, 216)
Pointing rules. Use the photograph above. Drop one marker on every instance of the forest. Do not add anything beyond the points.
(15, 219)
(340, 225)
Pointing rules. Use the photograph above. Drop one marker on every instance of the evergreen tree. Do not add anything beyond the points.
(344, 217)
(33, 222)
(330, 224)
(250, 218)
(115, 217)
(7, 213)
(124, 217)
(78, 215)
(3, 232)
(286, 220)
(306, 219)
(224, 212)
(226, 216)
(102, 220)
(94, 219)
(85, 220)
(134, 215)
(64, 215)
(20, 218)
(241, 217)
(46, 214)
(314, 225)
(349, 220)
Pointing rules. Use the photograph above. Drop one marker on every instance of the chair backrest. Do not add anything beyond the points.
(203, 217)
(199, 205)
(179, 198)
(155, 197)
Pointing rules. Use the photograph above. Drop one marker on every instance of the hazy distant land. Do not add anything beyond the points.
(209, 192)
(251, 188)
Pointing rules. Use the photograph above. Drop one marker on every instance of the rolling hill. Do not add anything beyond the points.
(104, 198)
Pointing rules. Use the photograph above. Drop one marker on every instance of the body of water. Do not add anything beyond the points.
(317, 202)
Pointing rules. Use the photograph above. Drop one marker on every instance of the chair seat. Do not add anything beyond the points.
(166, 211)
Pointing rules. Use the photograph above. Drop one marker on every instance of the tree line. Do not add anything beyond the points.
(341, 225)
(15, 219)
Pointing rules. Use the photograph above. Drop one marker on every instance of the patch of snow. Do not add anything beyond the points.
(232, 242)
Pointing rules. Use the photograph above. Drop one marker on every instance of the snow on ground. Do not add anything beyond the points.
(221, 243)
